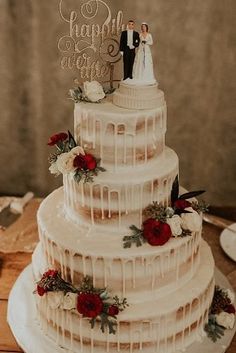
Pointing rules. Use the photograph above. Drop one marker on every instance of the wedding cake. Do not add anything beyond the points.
(120, 226)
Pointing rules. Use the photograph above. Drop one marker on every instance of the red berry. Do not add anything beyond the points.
(41, 291)
(230, 309)
(113, 310)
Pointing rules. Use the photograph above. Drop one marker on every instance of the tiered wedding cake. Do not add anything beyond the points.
(85, 231)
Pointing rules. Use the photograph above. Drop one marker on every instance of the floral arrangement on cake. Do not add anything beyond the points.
(70, 158)
(91, 92)
(222, 313)
(92, 303)
(180, 219)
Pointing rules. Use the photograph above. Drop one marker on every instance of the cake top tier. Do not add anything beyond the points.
(138, 96)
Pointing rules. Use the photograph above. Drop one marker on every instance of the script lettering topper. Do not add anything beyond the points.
(91, 44)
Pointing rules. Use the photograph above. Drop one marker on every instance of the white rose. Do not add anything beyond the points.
(54, 169)
(77, 150)
(175, 224)
(191, 221)
(65, 162)
(169, 212)
(230, 295)
(69, 301)
(226, 320)
(93, 91)
(55, 299)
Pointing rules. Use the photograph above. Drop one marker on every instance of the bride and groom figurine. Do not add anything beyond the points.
(138, 67)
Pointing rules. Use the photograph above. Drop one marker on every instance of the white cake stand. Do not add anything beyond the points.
(21, 317)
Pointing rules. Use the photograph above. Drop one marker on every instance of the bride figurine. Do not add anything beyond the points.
(143, 64)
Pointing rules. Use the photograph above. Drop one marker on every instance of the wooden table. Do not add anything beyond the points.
(12, 264)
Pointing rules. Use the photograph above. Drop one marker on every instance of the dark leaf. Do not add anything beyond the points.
(138, 242)
(101, 169)
(72, 142)
(135, 229)
(191, 194)
(179, 211)
(175, 190)
(127, 245)
(111, 325)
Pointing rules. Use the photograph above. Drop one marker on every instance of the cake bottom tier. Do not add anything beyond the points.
(164, 325)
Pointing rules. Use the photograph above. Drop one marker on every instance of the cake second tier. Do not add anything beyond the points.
(117, 199)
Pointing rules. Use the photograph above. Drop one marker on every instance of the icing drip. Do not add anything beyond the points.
(118, 335)
(146, 139)
(84, 266)
(69, 321)
(131, 337)
(94, 259)
(81, 333)
(91, 203)
(108, 342)
(92, 339)
(115, 145)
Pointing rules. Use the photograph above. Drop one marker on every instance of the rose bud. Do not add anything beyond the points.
(182, 204)
(113, 310)
(53, 140)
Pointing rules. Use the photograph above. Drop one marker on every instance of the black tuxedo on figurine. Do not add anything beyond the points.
(128, 53)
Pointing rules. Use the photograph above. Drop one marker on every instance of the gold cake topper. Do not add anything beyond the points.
(91, 45)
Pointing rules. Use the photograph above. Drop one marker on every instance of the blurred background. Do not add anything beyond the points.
(194, 59)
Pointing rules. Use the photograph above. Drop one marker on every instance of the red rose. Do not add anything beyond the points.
(80, 162)
(41, 291)
(50, 273)
(89, 304)
(85, 162)
(230, 309)
(53, 140)
(156, 232)
(182, 204)
(113, 310)
(90, 161)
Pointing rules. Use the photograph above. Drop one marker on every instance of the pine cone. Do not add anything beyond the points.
(220, 302)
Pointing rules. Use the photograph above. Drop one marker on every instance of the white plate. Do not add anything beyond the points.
(228, 241)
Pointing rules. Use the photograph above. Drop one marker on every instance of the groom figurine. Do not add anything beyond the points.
(128, 42)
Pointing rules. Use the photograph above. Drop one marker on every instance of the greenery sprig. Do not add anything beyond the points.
(200, 206)
(136, 238)
(213, 330)
(156, 211)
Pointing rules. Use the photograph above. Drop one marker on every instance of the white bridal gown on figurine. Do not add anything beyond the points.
(143, 64)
